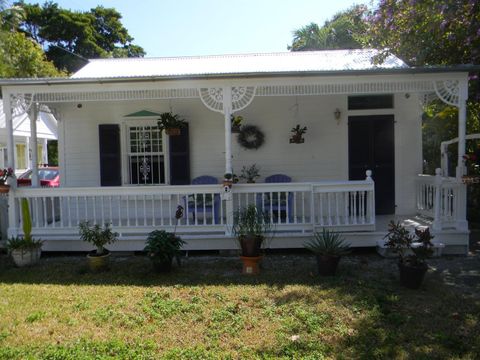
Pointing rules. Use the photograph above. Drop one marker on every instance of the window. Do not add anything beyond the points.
(146, 158)
(367, 102)
(21, 160)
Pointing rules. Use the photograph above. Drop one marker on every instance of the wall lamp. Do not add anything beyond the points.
(337, 113)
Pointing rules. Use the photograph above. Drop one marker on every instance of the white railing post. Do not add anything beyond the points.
(371, 198)
(437, 202)
(12, 211)
(227, 110)
(461, 207)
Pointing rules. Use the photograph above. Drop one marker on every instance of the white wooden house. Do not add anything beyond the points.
(359, 167)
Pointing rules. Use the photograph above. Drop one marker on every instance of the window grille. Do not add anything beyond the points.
(146, 158)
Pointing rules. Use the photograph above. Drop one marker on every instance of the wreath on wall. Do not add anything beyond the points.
(251, 137)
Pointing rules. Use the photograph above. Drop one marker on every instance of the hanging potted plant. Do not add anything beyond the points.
(25, 250)
(171, 123)
(6, 175)
(236, 123)
(250, 226)
(297, 134)
(413, 250)
(472, 163)
(228, 180)
(98, 260)
(250, 173)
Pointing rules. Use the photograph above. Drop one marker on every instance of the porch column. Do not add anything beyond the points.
(462, 223)
(227, 110)
(33, 113)
(28, 152)
(7, 108)
(45, 152)
(462, 127)
(12, 215)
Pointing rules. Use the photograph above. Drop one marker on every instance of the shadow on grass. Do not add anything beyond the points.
(387, 321)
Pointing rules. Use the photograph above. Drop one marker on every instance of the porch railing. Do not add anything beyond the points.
(301, 207)
(441, 199)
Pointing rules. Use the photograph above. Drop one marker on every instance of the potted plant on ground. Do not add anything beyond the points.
(297, 134)
(5, 175)
(98, 259)
(413, 250)
(25, 250)
(162, 247)
(250, 173)
(329, 247)
(236, 123)
(250, 226)
(171, 123)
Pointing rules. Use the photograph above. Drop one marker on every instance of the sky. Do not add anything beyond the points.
(210, 27)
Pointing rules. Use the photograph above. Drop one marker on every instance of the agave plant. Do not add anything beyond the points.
(328, 243)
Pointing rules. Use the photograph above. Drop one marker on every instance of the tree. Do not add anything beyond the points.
(22, 57)
(346, 30)
(71, 37)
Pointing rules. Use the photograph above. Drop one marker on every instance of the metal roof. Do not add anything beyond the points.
(295, 62)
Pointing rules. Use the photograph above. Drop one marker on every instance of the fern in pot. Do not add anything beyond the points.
(25, 250)
(329, 247)
(98, 259)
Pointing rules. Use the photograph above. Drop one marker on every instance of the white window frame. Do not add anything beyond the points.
(125, 146)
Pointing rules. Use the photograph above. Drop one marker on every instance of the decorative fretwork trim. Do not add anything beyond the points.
(448, 91)
(21, 102)
(242, 96)
(346, 88)
(117, 95)
(212, 98)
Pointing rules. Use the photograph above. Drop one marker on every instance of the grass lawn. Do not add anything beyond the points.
(207, 309)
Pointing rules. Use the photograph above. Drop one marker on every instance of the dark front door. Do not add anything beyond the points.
(371, 147)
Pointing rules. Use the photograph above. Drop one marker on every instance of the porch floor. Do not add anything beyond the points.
(290, 237)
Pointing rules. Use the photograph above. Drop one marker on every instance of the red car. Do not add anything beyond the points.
(48, 176)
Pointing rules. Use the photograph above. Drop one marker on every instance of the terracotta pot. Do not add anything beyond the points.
(236, 129)
(172, 131)
(4, 189)
(412, 276)
(327, 264)
(160, 266)
(297, 139)
(26, 257)
(251, 245)
(98, 263)
(250, 264)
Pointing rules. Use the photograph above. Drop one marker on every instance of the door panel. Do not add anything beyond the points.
(371, 146)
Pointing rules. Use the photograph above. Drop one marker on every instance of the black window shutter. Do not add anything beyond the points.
(180, 158)
(110, 155)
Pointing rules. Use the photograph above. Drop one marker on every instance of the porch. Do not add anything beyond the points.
(345, 206)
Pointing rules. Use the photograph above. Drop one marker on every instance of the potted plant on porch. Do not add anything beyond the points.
(250, 226)
(5, 175)
(25, 250)
(297, 134)
(98, 259)
(171, 123)
(329, 247)
(236, 123)
(413, 250)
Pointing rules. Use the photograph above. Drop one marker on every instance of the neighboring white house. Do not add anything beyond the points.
(46, 130)
(362, 119)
